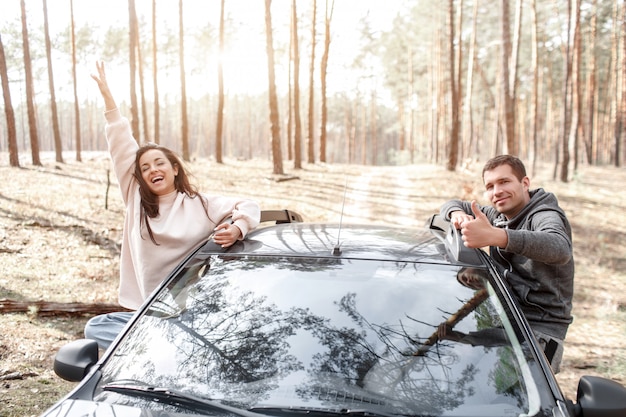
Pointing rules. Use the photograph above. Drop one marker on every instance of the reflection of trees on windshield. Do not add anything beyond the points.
(139, 338)
(505, 378)
(237, 342)
(348, 353)
(229, 342)
(226, 342)
(368, 356)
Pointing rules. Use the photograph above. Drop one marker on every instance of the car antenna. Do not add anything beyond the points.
(337, 248)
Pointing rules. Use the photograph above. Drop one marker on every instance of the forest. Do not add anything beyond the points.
(396, 101)
(442, 82)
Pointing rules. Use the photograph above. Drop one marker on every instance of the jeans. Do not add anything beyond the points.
(105, 327)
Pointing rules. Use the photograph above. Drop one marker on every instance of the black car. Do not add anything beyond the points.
(325, 320)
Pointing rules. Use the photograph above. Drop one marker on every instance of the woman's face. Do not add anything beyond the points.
(158, 172)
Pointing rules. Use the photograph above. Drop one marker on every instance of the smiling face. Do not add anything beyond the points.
(158, 172)
(506, 191)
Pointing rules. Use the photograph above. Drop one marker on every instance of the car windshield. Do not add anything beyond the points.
(281, 335)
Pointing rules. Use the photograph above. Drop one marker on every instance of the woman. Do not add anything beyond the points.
(165, 216)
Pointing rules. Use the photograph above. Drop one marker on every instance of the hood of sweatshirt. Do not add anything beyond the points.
(540, 200)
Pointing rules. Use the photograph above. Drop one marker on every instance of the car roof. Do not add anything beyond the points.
(434, 243)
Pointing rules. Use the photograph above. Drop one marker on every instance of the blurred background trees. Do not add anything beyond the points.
(439, 82)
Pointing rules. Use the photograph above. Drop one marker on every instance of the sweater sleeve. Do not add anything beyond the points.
(246, 214)
(454, 205)
(548, 240)
(466, 206)
(123, 149)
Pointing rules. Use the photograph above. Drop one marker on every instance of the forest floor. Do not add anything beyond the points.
(60, 229)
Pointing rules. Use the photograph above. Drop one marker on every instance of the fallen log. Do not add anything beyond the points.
(16, 375)
(50, 308)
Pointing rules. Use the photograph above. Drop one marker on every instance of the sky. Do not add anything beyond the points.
(245, 64)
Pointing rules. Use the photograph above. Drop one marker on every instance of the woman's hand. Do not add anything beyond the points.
(226, 234)
(101, 80)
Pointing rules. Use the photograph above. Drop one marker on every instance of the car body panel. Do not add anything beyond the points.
(82, 408)
(322, 318)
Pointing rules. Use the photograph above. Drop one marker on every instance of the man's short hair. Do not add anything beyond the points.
(514, 162)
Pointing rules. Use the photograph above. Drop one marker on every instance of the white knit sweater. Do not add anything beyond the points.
(182, 223)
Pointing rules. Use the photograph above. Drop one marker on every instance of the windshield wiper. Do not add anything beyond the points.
(321, 412)
(177, 398)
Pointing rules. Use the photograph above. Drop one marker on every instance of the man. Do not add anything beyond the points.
(530, 238)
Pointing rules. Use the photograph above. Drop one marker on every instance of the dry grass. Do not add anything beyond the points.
(58, 242)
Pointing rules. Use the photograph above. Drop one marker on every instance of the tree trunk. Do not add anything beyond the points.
(30, 91)
(589, 135)
(401, 114)
(620, 120)
(9, 113)
(453, 151)
(155, 84)
(459, 81)
(436, 89)
(534, 100)
(277, 156)
(142, 90)
(132, 61)
(311, 112)
(183, 84)
(576, 81)
(78, 141)
(363, 134)
(514, 140)
(467, 117)
(290, 93)
(433, 91)
(50, 308)
(323, 68)
(220, 98)
(373, 128)
(508, 103)
(410, 92)
(566, 105)
(351, 112)
(58, 146)
(611, 107)
(297, 140)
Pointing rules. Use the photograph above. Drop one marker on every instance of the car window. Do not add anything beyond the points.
(399, 338)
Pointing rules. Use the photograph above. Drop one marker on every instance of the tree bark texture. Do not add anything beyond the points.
(132, 62)
(277, 156)
(30, 91)
(220, 95)
(50, 308)
(297, 139)
(155, 84)
(56, 131)
(311, 111)
(453, 151)
(183, 85)
(9, 113)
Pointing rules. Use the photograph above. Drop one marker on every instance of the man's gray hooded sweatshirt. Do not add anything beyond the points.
(538, 260)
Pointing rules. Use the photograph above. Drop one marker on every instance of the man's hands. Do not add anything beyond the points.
(458, 218)
(477, 231)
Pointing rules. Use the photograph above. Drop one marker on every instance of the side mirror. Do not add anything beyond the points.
(451, 238)
(600, 397)
(73, 361)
